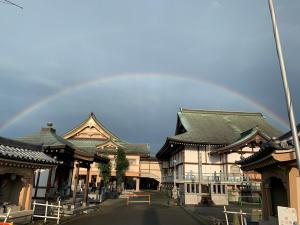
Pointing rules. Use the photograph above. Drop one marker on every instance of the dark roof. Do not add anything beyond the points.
(218, 127)
(91, 146)
(23, 152)
(284, 142)
(245, 137)
(48, 138)
(288, 135)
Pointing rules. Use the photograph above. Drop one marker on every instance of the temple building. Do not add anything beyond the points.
(276, 162)
(61, 181)
(18, 162)
(198, 162)
(91, 136)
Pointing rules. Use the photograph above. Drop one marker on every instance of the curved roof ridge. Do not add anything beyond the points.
(91, 115)
(204, 111)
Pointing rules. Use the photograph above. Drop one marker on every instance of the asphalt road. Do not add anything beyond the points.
(116, 212)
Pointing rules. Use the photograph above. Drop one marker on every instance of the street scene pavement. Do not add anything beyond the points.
(116, 212)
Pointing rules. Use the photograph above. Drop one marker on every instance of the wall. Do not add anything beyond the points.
(150, 168)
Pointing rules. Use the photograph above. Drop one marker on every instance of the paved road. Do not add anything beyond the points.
(116, 212)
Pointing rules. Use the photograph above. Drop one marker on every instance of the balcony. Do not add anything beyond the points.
(206, 178)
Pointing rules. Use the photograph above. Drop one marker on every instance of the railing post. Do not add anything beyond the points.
(33, 209)
(58, 211)
(46, 212)
(226, 217)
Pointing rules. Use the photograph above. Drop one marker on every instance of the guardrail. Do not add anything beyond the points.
(148, 197)
(46, 216)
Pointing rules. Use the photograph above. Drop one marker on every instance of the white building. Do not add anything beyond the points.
(200, 158)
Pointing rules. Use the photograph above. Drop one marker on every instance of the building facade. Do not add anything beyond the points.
(276, 162)
(200, 159)
(18, 163)
(93, 137)
(61, 181)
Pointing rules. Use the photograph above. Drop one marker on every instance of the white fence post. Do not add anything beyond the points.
(58, 211)
(46, 212)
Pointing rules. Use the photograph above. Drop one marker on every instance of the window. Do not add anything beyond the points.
(197, 188)
(188, 190)
(193, 188)
(132, 161)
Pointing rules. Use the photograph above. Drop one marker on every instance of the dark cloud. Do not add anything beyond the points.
(52, 45)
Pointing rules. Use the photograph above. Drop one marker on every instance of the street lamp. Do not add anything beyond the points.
(285, 83)
(288, 97)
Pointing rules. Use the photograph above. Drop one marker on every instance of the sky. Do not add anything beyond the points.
(134, 63)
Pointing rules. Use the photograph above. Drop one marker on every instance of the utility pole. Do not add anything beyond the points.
(288, 98)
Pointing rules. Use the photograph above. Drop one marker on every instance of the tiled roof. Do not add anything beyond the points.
(19, 151)
(218, 127)
(47, 137)
(245, 136)
(90, 145)
(284, 142)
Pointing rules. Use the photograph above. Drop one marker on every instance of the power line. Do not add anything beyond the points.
(11, 3)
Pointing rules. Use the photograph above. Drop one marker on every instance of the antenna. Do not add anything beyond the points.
(10, 3)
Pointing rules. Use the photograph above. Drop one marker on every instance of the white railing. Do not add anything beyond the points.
(7, 215)
(46, 216)
(206, 177)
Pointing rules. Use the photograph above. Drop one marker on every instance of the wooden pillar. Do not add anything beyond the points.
(137, 184)
(298, 197)
(86, 191)
(26, 194)
(293, 190)
(76, 165)
(267, 201)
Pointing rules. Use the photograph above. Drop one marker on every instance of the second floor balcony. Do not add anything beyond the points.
(206, 178)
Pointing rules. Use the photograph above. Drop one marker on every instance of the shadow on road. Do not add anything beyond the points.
(150, 217)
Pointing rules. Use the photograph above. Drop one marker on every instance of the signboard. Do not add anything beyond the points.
(287, 216)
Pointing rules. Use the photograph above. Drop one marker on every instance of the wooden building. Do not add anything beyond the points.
(276, 162)
(61, 181)
(200, 158)
(18, 162)
(91, 136)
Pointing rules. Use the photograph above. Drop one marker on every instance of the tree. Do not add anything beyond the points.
(105, 170)
(122, 165)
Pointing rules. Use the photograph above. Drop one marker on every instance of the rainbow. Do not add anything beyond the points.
(66, 90)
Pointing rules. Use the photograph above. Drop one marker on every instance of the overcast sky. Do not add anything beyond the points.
(134, 63)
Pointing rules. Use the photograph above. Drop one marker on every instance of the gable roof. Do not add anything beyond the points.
(245, 138)
(282, 143)
(218, 127)
(91, 144)
(79, 127)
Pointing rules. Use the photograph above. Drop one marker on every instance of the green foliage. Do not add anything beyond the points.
(122, 165)
(105, 170)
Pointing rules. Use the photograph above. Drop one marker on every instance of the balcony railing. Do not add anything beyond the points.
(206, 177)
